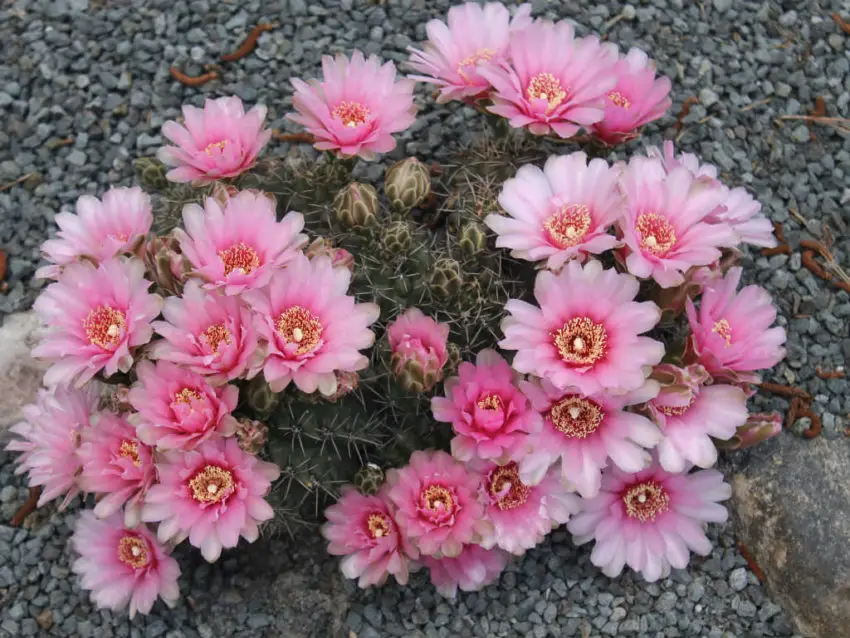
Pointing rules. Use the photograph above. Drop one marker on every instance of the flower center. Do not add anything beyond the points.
(657, 235)
(186, 395)
(352, 114)
(723, 328)
(379, 525)
(675, 410)
(491, 402)
(644, 501)
(505, 488)
(300, 326)
(581, 342)
(569, 225)
(133, 551)
(545, 86)
(239, 257)
(219, 145)
(104, 326)
(471, 61)
(130, 450)
(619, 99)
(576, 417)
(211, 484)
(439, 504)
(214, 335)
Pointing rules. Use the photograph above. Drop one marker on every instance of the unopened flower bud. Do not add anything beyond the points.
(165, 264)
(346, 383)
(356, 205)
(151, 173)
(472, 239)
(323, 247)
(117, 399)
(252, 435)
(419, 352)
(369, 479)
(407, 184)
(396, 237)
(260, 396)
(445, 280)
(760, 426)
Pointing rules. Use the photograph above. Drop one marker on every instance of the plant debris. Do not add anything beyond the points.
(250, 42)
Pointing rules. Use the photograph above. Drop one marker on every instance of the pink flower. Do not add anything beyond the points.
(177, 408)
(583, 432)
(100, 230)
(218, 141)
(312, 328)
(706, 173)
(240, 246)
(453, 53)
(559, 213)
(471, 570)
(637, 99)
(523, 515)
(436, 503)
(49, 438)
(691, 414)
(213, 494)
(207, 333)
(323, 247)
(740, 210)
(418, 345)
(120, 565)
(490, 416)
(585, 332)
(97, 317)
(356, 108)
(362, 529)
(650, 520)
(553, 81)
(116, 464)
(731, 336)
(663, 226)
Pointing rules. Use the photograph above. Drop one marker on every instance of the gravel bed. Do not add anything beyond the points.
(99, 71)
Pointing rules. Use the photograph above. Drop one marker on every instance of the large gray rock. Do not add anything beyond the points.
(20, 374)
(791, 501)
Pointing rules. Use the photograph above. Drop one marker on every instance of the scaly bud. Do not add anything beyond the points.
(165, 264)
(760, 426)
(151, 173)
(260, 396)
(396, 237)
(346, 382)
(472, 239)
(369, 479)
(445, 280)
(418, 346)
(356, 205)
(323, 247)
(117, 399)
(252, 435)
(407, 184)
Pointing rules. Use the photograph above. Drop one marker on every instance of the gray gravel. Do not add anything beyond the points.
(99, 71)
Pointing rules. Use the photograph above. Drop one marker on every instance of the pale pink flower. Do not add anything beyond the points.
(638, 98)
(436, 501)
(116, 465)
(213, 494)
(217, 141)
(97, 317)
(561, 212)
(418, 345)
(357, 106)
(584, 432)
(49, 438)
(323, 247)
(207, 333)
(240, 246)
(453, 53)
(312, 328)
(586, 331)
(650, 520)
(471, 570)
(706, 173)
(741, 211)
(122, 566)
(551, 81)
(490, 416)
(691, 414)
(664, 225)
(731, 335)
(362, 529)
(177, 408)
(101, 229)
(522, 515)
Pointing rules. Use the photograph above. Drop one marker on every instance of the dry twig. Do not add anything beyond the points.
(250, 42)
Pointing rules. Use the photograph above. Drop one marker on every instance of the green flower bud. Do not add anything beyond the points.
(356, 205)
(472, 239)
(151, 173)
(407, 184)
(260, 396)
(455, 358)
(445, 280)
(369, 479)
(396, 237)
